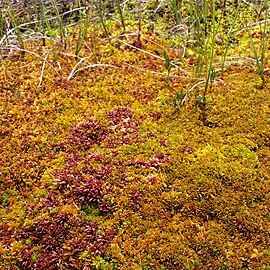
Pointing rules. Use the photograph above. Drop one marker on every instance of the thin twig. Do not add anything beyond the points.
(154, 72)
(9, 47)
(252, 26)
(42, 71)
(73, 72)
(188, 93)
(154, 55)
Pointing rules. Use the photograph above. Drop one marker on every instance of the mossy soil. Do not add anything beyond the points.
(102, 172)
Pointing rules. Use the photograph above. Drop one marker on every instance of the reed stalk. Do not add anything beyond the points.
(61, 26)
(121, 15)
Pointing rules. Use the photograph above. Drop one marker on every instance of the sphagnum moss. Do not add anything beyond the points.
(99, 172)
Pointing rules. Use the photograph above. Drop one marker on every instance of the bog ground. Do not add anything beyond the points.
(128, 147)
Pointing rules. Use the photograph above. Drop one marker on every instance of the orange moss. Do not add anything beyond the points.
(104, 155)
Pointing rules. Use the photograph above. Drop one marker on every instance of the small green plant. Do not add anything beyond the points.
(223, 266)
(197, 262)
(100, 263)
(179, 100)
(83, 30)
(145, 267)
(35, 257)
(260, 53)
(168, 63)
(176, 9)
(2, 23)
(4, 200)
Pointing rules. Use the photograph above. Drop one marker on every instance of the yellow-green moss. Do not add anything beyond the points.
(183, 195)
